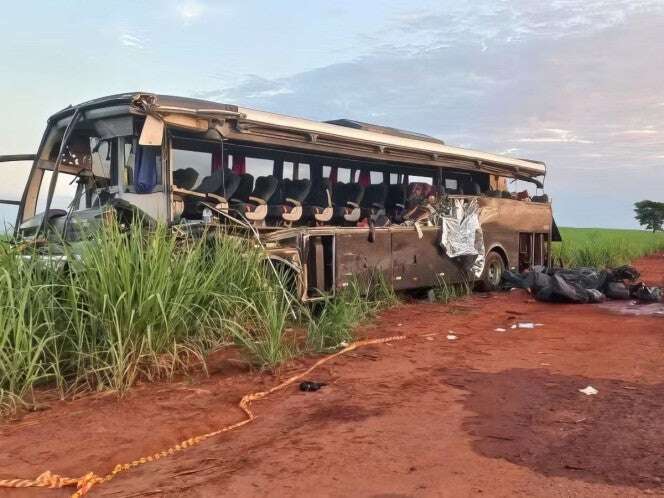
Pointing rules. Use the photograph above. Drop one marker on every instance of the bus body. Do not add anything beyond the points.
(330, 201)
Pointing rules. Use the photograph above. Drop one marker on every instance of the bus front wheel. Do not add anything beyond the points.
(494, 267)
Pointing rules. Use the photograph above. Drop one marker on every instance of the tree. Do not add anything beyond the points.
(650, 214)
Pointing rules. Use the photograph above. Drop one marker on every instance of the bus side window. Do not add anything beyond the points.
(451, 184)
(376, 177)
(288, 170)
(303, 172)
(343, 175)
(420, 179)
(261, 167)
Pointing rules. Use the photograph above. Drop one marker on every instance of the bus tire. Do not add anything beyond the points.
(492, 275)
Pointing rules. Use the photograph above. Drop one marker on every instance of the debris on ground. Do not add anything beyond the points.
(589, 391)
(526, 325)
(309, 386)
(452, 337)
(582, 285)
(500, 329)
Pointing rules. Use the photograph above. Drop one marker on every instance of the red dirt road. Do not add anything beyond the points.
(488, 414)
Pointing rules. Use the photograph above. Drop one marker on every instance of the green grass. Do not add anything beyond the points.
(446, 293)
(333, 321)
(146, 306)
(604, 247)
(152, 305)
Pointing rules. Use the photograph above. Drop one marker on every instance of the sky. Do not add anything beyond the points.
(578, 84)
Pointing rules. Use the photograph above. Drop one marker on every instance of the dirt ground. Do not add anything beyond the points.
(488, 414)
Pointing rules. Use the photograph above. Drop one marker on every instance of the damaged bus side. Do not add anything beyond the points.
(330, 202)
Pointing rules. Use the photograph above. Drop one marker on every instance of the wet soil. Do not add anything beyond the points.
(488, 414)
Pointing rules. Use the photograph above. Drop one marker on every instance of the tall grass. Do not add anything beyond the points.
(128, 307)
(604, 247)
(26, 328)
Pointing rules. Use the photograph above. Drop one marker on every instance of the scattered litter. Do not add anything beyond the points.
(500, 329)
(309, 385)
(430, 338)
(545, 364)
(399, 324)
(630, 388)
(452, 337)
(589, 391)
(343, 344)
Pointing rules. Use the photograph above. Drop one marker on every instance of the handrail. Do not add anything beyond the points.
(17, 157)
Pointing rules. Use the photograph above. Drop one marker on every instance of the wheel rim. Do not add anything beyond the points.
(494, 272)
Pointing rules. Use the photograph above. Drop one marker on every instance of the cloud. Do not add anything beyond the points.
(131, 41)
(644, 131)
(555, 80)
(190, 10)
(553, 135)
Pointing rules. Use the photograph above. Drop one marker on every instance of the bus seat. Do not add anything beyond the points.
(288, 205)
(244, 188)
(256, 207)
(347, 200)
(395, 205)
(206, 190)
(318, 204)
(210, 184)
(185, 178)
(231, 182)
(470, 187)
(373, 201)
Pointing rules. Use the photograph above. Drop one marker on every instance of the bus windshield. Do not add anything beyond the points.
(97, 162)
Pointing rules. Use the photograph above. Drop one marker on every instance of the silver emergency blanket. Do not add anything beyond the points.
(461, 236)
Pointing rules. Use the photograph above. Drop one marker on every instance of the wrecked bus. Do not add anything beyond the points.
(329, 201)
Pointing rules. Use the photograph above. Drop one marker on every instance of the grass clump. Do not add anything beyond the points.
(334, 320)
(446, 292)
(602, 248)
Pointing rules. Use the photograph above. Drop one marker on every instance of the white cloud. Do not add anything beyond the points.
(131, 41)
(554, 135)
(190, 10)
(644, 131)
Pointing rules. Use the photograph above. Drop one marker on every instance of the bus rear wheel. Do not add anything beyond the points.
(494, 267)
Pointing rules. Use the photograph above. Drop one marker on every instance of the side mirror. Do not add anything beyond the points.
(152, 132)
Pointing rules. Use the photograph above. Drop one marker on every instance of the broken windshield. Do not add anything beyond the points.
(96, 162)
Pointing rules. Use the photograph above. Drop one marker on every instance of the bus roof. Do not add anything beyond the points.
(390, 141)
